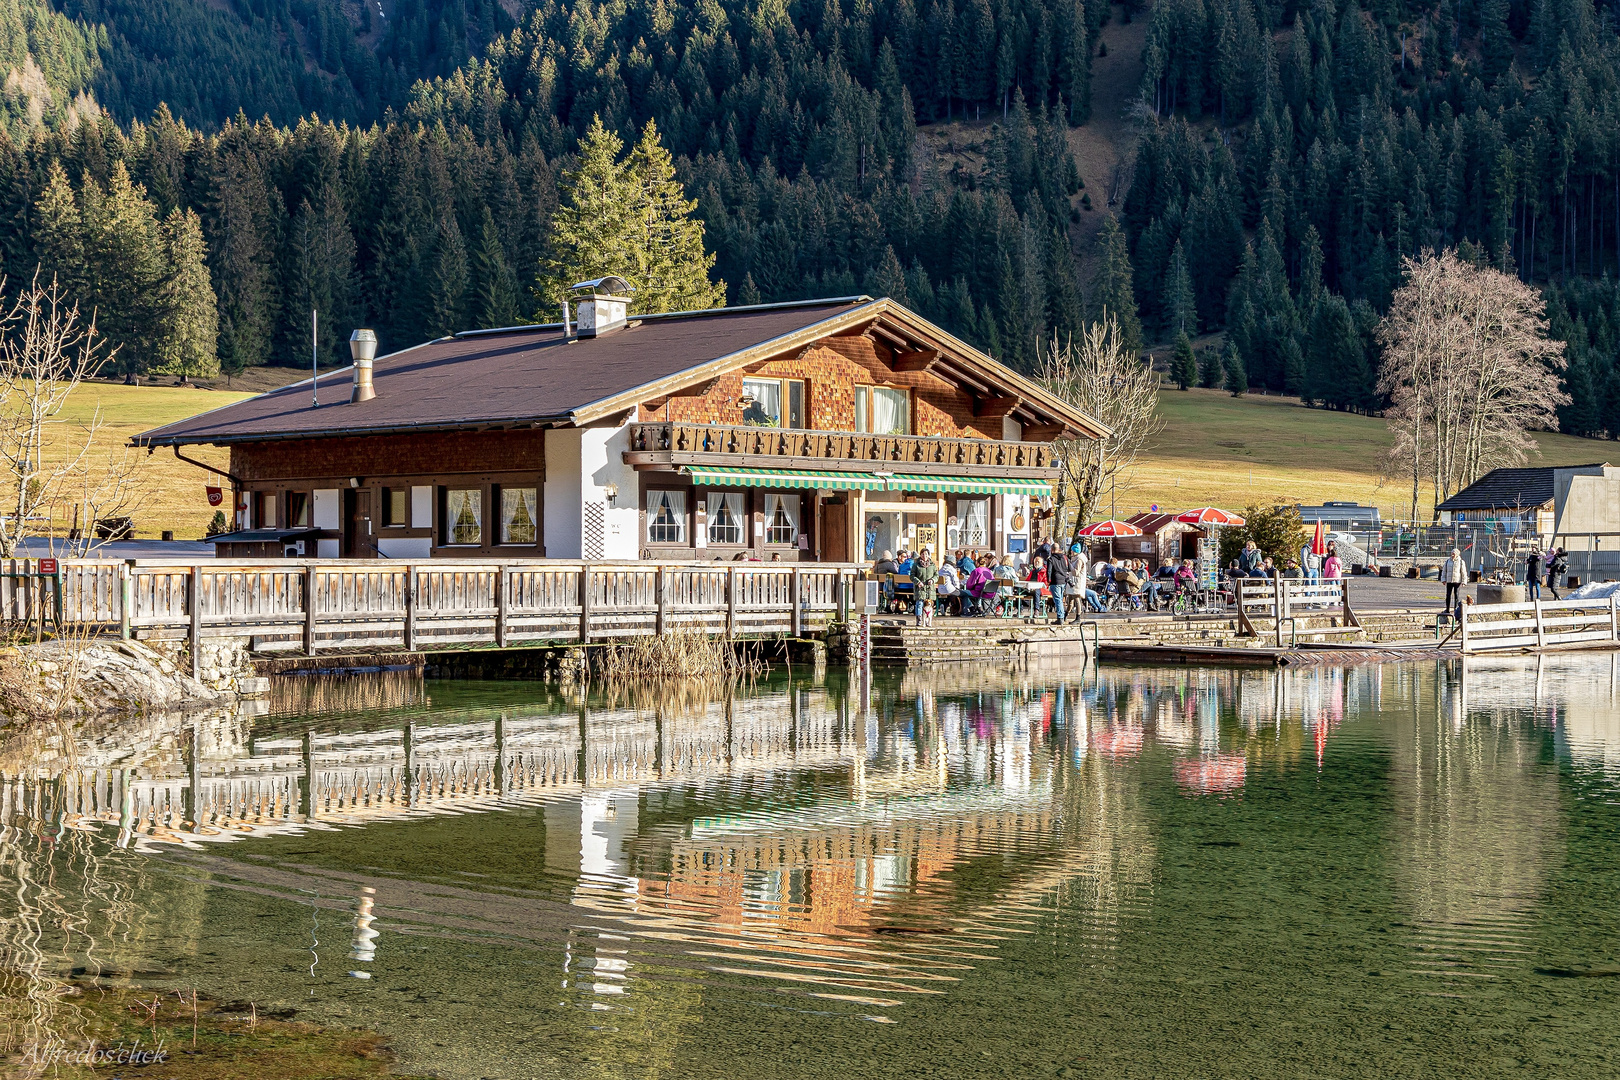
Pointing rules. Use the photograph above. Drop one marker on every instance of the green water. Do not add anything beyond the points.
(1399, 870)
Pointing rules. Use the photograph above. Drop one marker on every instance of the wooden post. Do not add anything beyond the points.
(502, 581)
(196, 622)
(1541, 629)
(126, 601)
(731, 601)
(1614, 617)
(410, 608)
(843, 585)
(798, 601)
(409, 741)
(500, 754)
(1462, 631)
(309, 610)
(306, 779)
(661, 598)
(1349, 612)
(585, 604)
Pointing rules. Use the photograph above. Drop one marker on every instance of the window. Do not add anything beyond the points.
(395, 508)
(781, 519)
(518, 515)
(881, 410)
(773, 403)
(726, 517)
(297, 509)
(975, 522)
(666, 517)
(264, 510)
(463, 516)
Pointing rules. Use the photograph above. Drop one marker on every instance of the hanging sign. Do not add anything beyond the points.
(215, 496)
(47, 567)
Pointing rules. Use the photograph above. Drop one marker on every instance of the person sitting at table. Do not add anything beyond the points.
(1006, 576)
(949, 586)
(905, 560)
(1126, 583)
(979, 589)
(1291, 571)
(1186, 577)
(964, 562)
(1039, 583)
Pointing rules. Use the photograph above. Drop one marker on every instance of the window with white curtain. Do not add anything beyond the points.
(726, 517)
(666, 517)
(463, 516)
(766, 408)
(881, 410)
(975, 522)
(518, 515)
(781, 519)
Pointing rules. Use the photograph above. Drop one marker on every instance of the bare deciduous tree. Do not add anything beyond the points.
(1468, 370)
(47, 460)
(1102, 377)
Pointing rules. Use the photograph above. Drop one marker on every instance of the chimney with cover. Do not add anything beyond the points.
(363, 350)
(603, 305)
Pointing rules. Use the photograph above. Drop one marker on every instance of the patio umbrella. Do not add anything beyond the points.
(1109, 530)
(1207, 517)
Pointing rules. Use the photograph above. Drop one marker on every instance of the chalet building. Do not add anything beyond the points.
(826, 430)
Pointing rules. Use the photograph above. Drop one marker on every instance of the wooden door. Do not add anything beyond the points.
(835, 531)
(357, 536)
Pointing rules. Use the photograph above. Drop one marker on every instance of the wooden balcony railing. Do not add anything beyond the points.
(672, 442)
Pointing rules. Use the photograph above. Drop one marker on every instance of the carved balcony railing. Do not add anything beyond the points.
(676, 443)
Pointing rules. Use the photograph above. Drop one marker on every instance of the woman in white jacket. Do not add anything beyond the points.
(1453, 572)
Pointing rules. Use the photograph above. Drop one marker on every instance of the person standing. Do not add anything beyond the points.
(1058, 577)
(923, 576)
(1532, 574)
(1557, 566)
(1332, 568)
(1249, 560)
(1453, 572)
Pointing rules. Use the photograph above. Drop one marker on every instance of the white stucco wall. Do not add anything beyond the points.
(581, 463)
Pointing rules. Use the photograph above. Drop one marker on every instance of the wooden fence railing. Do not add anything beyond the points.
(1538, 624)
(310, 605)
(1285, 599)
(684, 440)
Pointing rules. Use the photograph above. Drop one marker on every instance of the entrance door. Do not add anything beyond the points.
(357, 541)
(835, 531)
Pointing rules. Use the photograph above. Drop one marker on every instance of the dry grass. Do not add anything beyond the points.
(680, 654)
(1217, 450)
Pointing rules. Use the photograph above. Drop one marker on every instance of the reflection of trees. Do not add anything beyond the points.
(1477, 820)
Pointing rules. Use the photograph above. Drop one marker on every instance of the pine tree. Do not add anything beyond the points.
(59, 233)
(495, 294)
(446, 297)
(1237, 380)
(1111, 290)
(1211, 375)
(1180, 305)
(189, 346)
(1184, 365)
(125, 270)
(672, 266)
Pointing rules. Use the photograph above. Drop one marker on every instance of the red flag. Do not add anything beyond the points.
(1319, 539)
(215, 496)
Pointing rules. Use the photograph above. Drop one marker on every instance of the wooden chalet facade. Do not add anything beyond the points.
(826, 431)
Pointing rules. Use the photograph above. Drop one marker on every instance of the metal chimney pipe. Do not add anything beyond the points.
(363, 350)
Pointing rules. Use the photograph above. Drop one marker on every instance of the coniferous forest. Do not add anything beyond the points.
(399, 165)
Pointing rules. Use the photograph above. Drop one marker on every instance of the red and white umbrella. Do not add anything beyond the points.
(1211, 517)
(1108, 530)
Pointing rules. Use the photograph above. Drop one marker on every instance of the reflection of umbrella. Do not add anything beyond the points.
(1210, 517)
(1109, 530)
(1319, 539)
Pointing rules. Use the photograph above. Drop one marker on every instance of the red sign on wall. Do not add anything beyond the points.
(215, 496)
(47, 566)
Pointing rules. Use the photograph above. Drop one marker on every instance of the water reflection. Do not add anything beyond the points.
(652, 862)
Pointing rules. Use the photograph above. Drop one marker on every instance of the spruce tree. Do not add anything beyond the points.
(1211, 374)
(669, 259)
(189, 345)
(447, 281)
(125, 270)
(1111, 290)
(495, 294)
(1184, 365)
(1180, 305)
(1237, 380)
(59, 233)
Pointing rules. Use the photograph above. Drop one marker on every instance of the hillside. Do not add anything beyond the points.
(1217, 450)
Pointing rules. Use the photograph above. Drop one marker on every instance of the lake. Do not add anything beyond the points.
(1388, 870)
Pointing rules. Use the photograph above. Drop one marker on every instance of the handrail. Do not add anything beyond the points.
(680, 437)
(1096, 637)
(1549, 623)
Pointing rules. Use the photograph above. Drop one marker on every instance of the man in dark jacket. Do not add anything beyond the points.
(1532, 575)
(1058, 577)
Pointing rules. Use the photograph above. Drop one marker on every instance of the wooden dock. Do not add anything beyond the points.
(1269, 657)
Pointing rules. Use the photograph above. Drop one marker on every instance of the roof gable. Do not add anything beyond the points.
(1508, 489)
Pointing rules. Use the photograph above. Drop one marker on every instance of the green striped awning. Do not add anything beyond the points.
(969, 485)
(719, 476)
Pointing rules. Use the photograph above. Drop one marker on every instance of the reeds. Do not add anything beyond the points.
(680, 654)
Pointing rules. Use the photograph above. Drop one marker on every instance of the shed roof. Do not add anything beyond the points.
(537, 376)
(1508, 489)
(1152, 523)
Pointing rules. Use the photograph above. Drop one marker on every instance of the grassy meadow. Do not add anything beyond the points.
(1214, 450)
(1217, 450)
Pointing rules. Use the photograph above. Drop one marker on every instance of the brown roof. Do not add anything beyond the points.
(1152, 523)
(535, 376)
